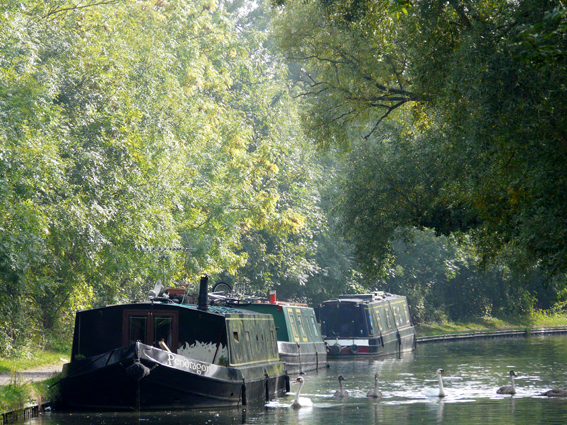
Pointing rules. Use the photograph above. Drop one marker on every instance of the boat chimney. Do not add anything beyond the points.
(204, 292)
(272, 293)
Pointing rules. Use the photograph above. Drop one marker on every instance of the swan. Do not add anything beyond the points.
(508, 389)
(437, 392)
(375, 393)
(341, 392)
(299, 402)
(555, 393)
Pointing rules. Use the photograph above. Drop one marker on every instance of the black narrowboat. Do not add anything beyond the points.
(163, 355)
(376, 324)
(300, 343)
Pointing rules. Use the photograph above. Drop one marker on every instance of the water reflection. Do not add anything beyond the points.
(474, 371)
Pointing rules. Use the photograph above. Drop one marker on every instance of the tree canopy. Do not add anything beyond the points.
(474, 96)
(138, 140)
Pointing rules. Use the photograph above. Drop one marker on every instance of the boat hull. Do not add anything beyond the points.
(300, 357)
(386, 345)
(141, 377)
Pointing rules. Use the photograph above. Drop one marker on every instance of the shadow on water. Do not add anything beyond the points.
(474, 370)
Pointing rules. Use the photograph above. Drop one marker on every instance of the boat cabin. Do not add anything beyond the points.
(367, 323)
(220, 335)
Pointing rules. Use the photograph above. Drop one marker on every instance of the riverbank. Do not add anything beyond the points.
(23, 392)
(491, 324)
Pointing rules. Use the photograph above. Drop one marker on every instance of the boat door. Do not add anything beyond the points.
(155, 328)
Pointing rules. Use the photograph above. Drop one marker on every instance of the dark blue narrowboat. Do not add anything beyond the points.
(376, 324)
(164, 355)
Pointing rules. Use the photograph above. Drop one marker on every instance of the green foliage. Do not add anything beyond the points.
(478, 92)
(443, 281)
(14, 395)
(133, 124)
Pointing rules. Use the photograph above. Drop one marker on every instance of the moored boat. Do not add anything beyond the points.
(300, 343)
(377, 324)
(165, 355)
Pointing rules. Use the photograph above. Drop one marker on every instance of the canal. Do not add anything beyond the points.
(474, 370)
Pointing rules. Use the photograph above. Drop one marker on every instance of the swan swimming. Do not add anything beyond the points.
(437, 392)
(508, 389)
(341, 392)
(299, 402)
(375, 393)
(556, 392)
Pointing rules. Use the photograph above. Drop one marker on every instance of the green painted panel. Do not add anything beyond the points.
(251, 339)
(280, 321)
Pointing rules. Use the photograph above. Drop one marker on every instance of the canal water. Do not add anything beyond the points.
(474, 370)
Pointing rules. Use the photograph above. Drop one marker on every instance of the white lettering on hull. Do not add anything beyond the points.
(187, 364)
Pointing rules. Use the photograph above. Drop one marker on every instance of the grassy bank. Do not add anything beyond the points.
(40, 358)
(16, 393)
(538, 320)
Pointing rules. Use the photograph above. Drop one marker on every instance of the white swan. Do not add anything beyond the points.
(341, 392)
(437, 392)
(555, 393)
(375, 393)
(508, 389)
(299, 402)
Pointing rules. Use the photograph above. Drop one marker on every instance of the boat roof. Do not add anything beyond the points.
(220, 310)
(370, 297)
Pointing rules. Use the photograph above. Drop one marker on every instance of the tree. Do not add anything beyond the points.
(478, 85)
(128, 125)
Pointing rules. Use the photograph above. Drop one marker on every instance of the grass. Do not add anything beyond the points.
(40, 358)
(17, 393)
(537, 320)
(14, 395)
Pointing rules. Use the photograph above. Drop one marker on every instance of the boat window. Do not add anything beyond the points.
(150, 328)
(346, 320)
(258, 344)
(401, 315)
(163, 331)
(370, 321)
(235, 350)
(378, 318)
(388, 321)
(300, 326)
(137, 329)
(251, 354)
(314, 326)
(292, 324)
(273, 343)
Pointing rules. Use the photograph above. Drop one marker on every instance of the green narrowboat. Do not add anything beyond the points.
(300, 343)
